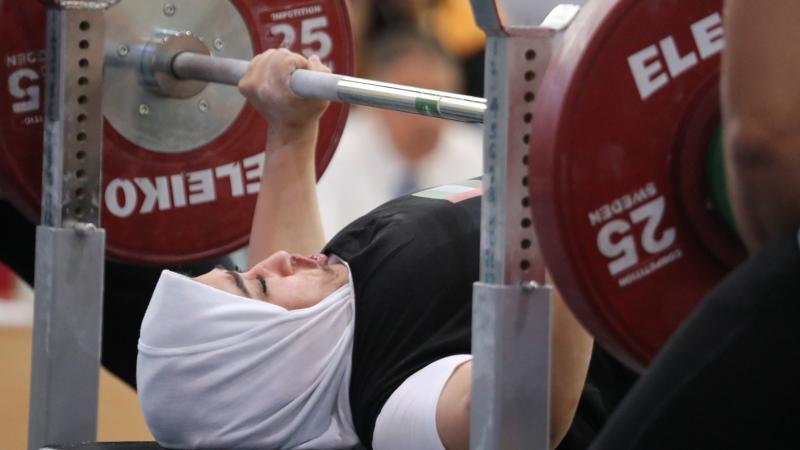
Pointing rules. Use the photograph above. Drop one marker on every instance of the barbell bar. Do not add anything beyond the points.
(187, 65)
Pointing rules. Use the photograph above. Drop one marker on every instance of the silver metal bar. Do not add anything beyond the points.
(495, 16)
(70, 252)
(525, 13)
(487, 16)
(194, 66)
(67, 333)
(510, 370)
(510, 259)
(74, 128)
(515, 68)
(511, 331)
(324, 86)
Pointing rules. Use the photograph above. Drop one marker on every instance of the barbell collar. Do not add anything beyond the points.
(338, 88)
(156, 66)
(196, 66)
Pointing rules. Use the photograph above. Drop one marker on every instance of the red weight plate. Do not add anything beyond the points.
(168, 208)
(22, 59)
(625, 117)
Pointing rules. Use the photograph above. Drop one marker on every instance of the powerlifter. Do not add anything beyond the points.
(366, 341)
(728, 378)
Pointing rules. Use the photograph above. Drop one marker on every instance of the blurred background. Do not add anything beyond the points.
(431, 44)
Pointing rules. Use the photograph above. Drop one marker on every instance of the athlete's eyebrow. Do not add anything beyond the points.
(239, 282)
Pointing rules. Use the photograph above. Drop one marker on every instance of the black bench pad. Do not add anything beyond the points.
(107, 446)
(117, 446)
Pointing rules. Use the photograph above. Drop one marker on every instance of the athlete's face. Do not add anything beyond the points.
(286, 280)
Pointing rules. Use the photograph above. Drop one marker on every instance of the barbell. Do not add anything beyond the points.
(625, 177)
(190, 66)
(159, 106)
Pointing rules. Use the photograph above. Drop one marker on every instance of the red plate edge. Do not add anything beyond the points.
(596, 20)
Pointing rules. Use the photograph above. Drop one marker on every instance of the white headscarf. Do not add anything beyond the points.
(216, 370)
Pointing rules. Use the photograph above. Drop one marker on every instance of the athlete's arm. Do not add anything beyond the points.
(287, 213)
(571, 352)
(570, 355)
(761, 107)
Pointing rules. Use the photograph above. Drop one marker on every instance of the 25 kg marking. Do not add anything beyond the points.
(624, 250)
(313, 37)
(23, 87)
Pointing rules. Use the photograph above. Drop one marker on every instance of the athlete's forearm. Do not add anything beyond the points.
(571, 352)
(287, 214)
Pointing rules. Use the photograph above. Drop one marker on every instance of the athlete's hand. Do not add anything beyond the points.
(266, 87)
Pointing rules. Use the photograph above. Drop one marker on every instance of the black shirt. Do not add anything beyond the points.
(413, 262)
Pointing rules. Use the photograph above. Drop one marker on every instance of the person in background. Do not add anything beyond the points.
(453, 24)
(728, 377)
(371, 19)
(450, 21)
(386, 154)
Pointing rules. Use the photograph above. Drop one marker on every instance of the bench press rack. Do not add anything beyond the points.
(512, 315)
(511, 302)
(70, 245)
